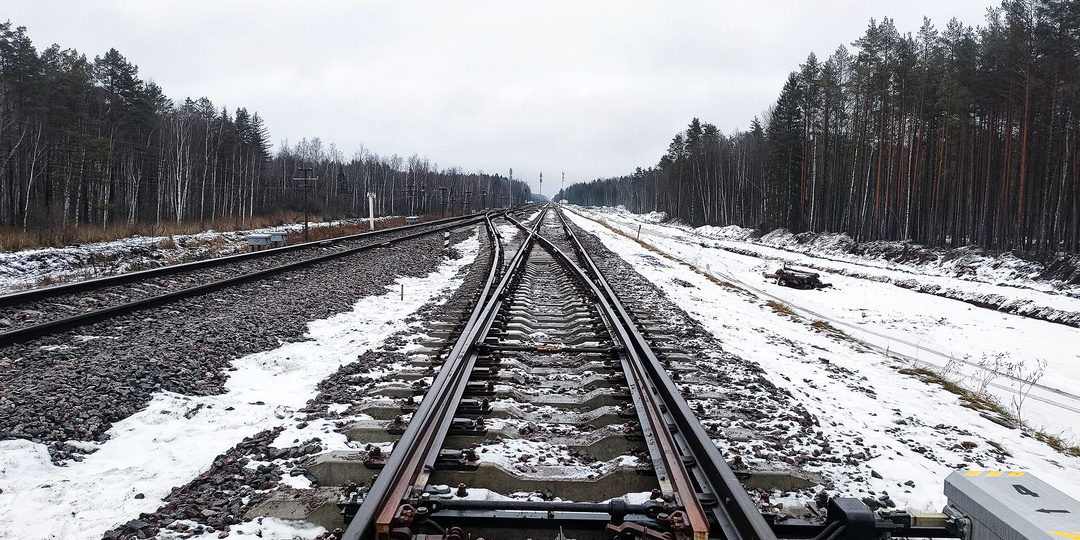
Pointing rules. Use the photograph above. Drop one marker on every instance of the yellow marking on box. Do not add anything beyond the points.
(994, 473)
(1072, 536)
(973, 473)
(1016, 473)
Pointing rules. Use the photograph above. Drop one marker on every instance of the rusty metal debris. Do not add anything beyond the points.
(797, 279)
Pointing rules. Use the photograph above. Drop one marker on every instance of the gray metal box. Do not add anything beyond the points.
(1012, 505)
(258, 239)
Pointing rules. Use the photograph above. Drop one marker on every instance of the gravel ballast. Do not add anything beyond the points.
(73, 386)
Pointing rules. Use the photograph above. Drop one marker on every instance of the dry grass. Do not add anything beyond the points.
(1055, 442)
(15, 239)
(980, 402)
(984, 403)
(839, 335)
(783, 309)
(992, 410)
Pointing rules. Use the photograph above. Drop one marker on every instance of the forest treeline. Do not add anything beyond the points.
(86, 142)
(960, 136)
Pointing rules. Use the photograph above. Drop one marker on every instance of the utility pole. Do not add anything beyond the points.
(562, 190)
(305, 181)
(541, 183)
(510, 194)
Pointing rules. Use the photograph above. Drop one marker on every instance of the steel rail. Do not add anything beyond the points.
(670, 471)
(737, 516)
(67, 323)
(410, 463)
(42, 293)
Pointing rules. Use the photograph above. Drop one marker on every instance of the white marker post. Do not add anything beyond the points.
(371, 209)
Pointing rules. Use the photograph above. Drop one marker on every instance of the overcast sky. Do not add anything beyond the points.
(591, 88)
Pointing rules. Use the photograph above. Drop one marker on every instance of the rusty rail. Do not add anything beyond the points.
(410, 464)
(679, 434)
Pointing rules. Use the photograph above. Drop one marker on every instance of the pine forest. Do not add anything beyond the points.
(946, 137)
(87, 143)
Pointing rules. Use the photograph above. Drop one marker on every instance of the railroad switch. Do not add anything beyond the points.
(488, 361)
(489, 373)
(457, 460)
(480, 388)
(466, 427)
(549, 348)
(474, 406)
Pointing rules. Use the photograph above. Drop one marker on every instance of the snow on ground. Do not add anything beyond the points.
(910, 434)
(38, 267)
(159, 448)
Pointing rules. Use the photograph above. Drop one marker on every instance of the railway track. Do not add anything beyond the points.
(551, 414)
(40, 312)
(548, 347)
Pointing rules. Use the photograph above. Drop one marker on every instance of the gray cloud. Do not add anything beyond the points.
(592, 88)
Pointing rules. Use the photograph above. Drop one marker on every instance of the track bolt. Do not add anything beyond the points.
(655, 494)
(461, 491)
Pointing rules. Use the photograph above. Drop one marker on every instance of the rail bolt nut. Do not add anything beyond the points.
(461, 490)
